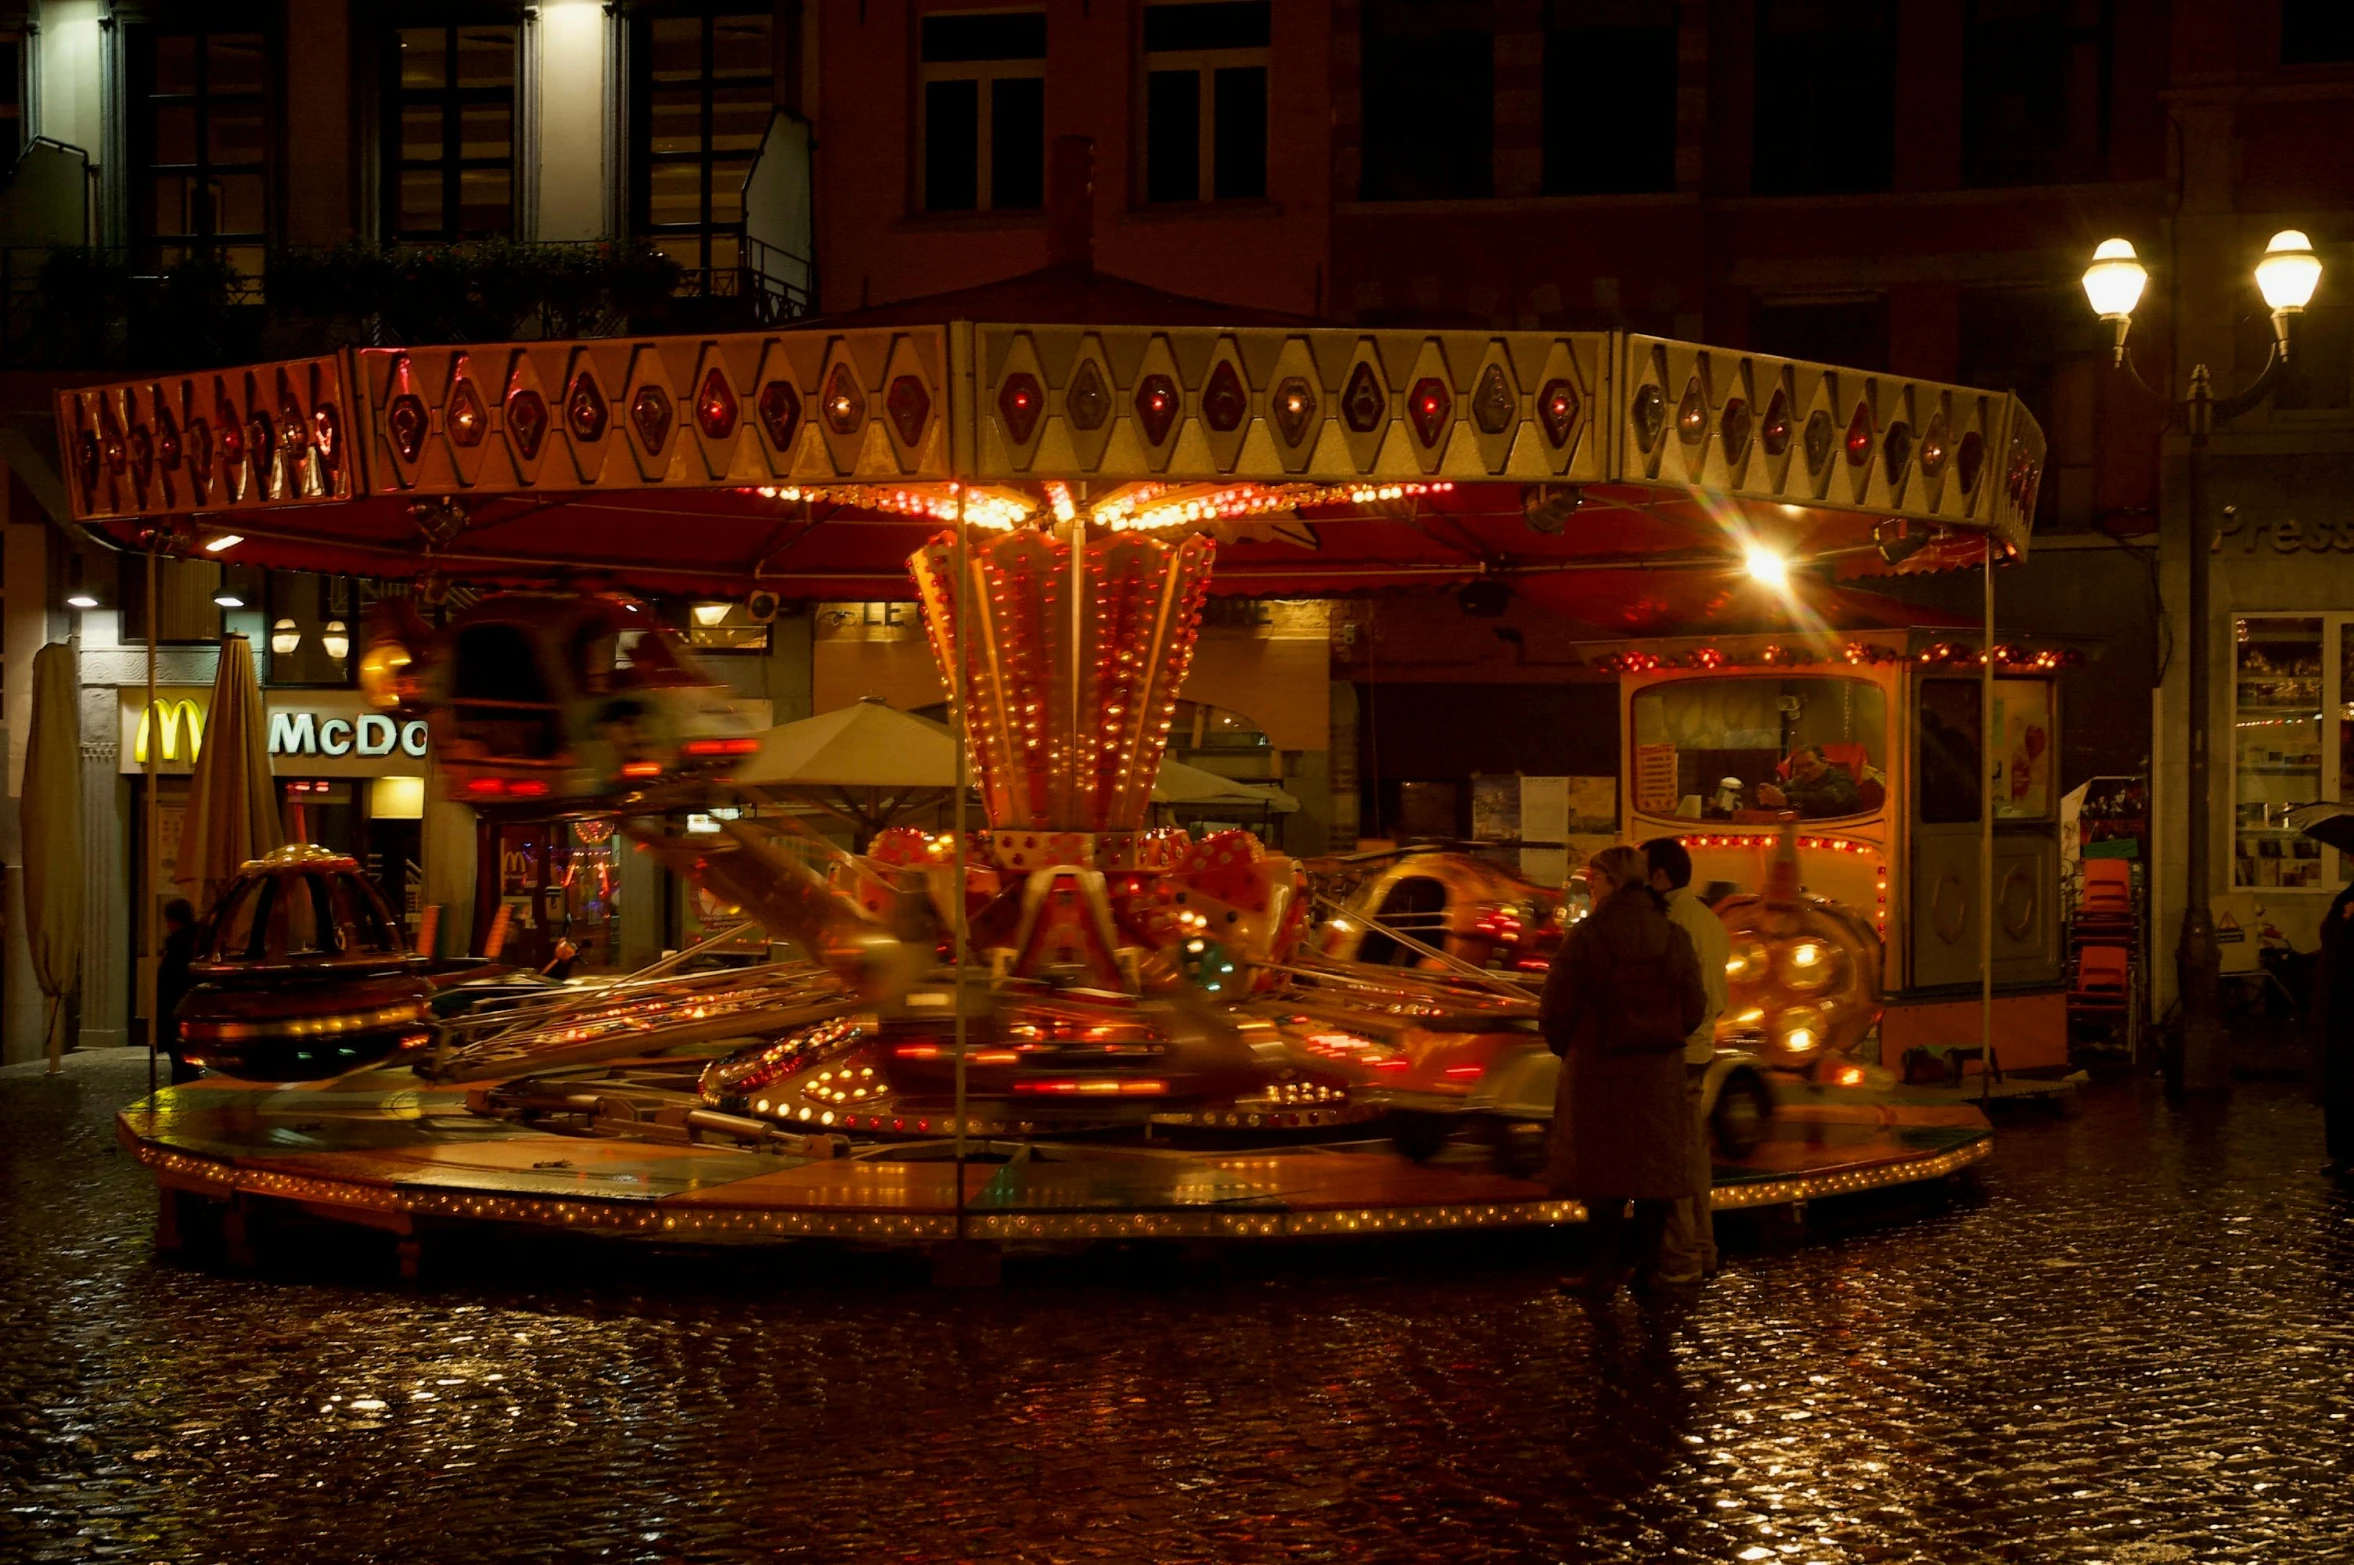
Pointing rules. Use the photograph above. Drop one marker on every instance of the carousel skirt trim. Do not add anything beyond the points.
(214, 1178)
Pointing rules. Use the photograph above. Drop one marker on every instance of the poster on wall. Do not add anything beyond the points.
(1655, 779)
(2023, 720)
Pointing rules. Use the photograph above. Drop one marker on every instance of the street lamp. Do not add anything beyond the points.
(2286, 276)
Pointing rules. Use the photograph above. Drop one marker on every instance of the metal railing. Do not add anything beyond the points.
(94, 307)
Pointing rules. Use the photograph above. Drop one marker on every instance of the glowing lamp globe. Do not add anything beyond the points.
(2115, 280)
(2289, 272)
(1767, 568)
(335, 640)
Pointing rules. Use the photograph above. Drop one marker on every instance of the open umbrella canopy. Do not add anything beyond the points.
(867, 744)
(2328, 823)
(232, 813)
(1190, 787)
(51, 822)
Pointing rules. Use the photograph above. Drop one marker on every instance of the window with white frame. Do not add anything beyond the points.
(983, 106)
(1205, 100)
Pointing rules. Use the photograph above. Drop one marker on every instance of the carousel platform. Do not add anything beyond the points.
(384, 1149)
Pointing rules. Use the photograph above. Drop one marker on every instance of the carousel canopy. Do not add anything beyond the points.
(812, 462)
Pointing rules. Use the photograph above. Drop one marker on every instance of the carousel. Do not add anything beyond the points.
(1055, 1022)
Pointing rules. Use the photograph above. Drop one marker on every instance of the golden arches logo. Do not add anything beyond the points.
(173, 717)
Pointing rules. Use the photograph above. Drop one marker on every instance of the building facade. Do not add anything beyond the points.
(1911, 185)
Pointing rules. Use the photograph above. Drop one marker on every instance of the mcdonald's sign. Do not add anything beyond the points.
(175, 720)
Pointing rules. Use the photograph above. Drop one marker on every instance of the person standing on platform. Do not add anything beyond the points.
(1690, 1253)
(2334, 986)
(1622, 996)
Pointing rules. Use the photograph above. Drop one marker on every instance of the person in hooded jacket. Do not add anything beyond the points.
(1621, 997)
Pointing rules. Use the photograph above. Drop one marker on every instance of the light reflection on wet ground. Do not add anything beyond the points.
(2136, 1346)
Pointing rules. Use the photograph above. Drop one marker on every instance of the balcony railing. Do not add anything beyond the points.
(112, 308)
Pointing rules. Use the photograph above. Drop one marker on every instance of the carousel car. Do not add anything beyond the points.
(544, 702)
(301, 972)
(1450, 902)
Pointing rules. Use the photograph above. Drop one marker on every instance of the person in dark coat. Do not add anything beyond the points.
(1621, 997)
(2334, 988)
(172, 981)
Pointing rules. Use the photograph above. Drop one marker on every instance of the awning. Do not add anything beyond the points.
(813, 461)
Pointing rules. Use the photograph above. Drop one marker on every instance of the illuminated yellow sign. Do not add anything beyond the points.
(174, 716)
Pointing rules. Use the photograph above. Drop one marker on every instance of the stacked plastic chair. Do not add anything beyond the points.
(2103, 933)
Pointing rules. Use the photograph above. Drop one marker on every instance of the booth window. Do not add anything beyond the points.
(199, 110)
(1825, 90)
(984, 111)
(1746, 748)
(449, 134)
(1205, 100)
(1950, 728)
(1610, 63)
(1430, 101)
(703, 96)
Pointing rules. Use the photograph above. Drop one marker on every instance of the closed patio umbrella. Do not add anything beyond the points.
(232, 796)
(51, 821)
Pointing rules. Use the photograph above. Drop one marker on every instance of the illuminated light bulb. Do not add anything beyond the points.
(285, 637)
(2287, 275)
(224, 541)
(335, 640)
(1767, 567)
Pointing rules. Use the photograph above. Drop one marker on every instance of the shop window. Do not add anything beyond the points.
(12, 95)
(2277, 705)
(725, 627)
(311, 620)
(984, 111)
(1429, 101)
(1951, 723)
(1734, 748)
(1611, 63)
(1825, 97)
(701, 102)
(449, 132)
(2316, 32)
(1205, 101)
(1852, 333)
(200, 138)
(2035, 92)
(184, 606)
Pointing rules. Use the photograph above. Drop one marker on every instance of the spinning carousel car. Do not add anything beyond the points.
(543, 701)
(301, 973)
(1451, 902)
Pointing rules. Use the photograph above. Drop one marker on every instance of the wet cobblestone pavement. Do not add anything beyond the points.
(2133, 1343)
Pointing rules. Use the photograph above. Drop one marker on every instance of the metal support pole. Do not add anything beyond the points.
(959, 709)
(151, 830)
(2203, 1066)
(1991, 765)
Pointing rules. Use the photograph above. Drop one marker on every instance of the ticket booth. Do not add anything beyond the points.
(1870, 751)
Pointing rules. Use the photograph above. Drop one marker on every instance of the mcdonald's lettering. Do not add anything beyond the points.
(175, 725)
(293, 733)
(174, 718)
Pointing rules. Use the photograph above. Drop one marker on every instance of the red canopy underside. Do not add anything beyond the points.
(1629, 561)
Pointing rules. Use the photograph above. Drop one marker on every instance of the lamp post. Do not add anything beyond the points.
(2286, 276)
